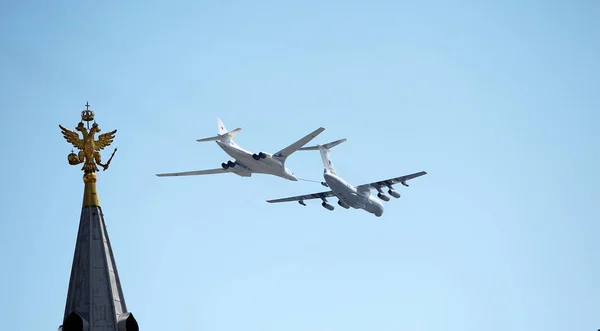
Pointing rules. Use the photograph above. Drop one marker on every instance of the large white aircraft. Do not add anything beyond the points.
(358, 197)
(246, 163)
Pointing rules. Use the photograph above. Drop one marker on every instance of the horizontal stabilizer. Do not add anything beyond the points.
(326, 146)
(209, 139)
(227, 135)
(233, 132)
(194, 173)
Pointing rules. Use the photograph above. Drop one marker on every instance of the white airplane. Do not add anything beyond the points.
(247, 163)
(358, 197)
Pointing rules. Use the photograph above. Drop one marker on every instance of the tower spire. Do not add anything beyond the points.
(95, 300)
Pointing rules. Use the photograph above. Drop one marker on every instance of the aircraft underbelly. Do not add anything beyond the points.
(245, 159)
(345, 193)
(233, 152)
(352, 201)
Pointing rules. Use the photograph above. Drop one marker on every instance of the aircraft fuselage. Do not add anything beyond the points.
(350, 196)
(245, 164)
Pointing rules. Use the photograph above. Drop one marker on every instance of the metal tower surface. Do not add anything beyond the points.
(95, 300)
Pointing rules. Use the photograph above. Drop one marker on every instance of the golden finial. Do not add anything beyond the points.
(89, 152)
(87, 115)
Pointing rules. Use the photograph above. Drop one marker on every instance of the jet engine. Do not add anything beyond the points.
(259, 156)
(404, 183)
(342, 204)
(394, 193)
(302, 202)
(383, 196)
(228, 164)
(327, 206)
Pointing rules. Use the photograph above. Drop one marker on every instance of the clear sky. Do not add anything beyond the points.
(498, 101)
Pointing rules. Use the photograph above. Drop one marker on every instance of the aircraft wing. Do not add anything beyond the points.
(284, 153)
(194, 173)
(385, 183)
(320, 195)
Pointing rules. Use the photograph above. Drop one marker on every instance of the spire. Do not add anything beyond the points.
(95, 300)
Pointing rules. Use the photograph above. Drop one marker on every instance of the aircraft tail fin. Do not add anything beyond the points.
(326, 159)
(326, 146)
(222, 129)
(223, 135)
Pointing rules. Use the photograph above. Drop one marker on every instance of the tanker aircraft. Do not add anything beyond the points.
(358, 197)
(246, 163)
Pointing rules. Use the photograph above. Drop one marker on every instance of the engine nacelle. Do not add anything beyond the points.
(259, 156)
(302, 202)
(394, 193)
(404, 183)
(342, 204)
(231, 164)
(327, 206)
(383, 197)
(324, 184)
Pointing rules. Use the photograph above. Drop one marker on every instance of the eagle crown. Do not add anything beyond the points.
(87, 115)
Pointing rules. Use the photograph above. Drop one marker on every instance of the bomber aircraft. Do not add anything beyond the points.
(358, 197)
(246, 163)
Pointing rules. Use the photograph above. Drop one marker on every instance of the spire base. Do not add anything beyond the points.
(90, 195)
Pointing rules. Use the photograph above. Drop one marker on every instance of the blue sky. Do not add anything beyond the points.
(498, 102)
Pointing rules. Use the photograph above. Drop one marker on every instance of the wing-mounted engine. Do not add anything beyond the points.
(343, 205)
(392, 192)
(380, 193)
(228, 164)
(236, 168)
(259, 156)
(326, 205)
(383, 197)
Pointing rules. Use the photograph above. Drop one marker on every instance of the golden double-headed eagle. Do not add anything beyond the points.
(89, 148)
